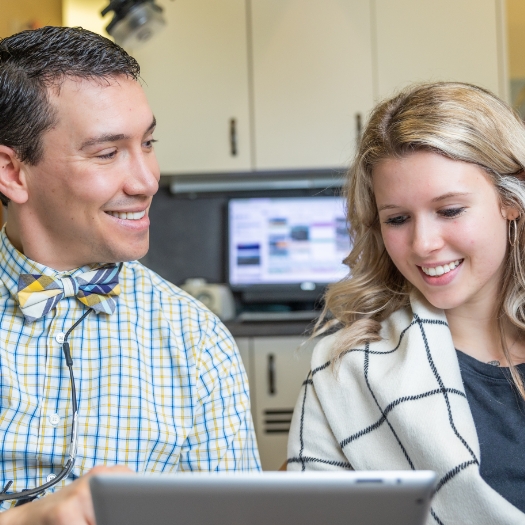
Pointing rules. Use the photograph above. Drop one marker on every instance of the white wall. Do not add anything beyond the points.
(86, 14)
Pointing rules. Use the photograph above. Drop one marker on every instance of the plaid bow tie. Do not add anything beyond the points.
(97, 289)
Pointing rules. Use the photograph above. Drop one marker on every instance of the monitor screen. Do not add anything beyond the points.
(287, 240)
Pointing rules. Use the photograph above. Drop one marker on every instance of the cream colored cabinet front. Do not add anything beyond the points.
(196, 80)
(272, 85)
(276, 367)
(310, 67)
(312, 81)
(425, 40)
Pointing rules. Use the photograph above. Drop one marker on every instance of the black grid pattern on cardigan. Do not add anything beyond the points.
(417, 322)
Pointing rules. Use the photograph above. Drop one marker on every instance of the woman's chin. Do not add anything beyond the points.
(441, 301)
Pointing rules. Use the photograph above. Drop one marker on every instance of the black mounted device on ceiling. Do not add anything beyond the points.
(134, 21)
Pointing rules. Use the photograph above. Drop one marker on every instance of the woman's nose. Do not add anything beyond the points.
(426, 237)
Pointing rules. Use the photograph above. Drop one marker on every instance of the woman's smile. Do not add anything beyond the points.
(440, 274)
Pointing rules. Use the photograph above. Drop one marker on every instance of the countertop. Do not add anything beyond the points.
(269, 329)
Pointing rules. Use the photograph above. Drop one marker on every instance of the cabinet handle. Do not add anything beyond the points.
(358, 129)
(271, 374)
(233, 137)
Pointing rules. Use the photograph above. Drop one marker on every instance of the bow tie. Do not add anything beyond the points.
(97, 289)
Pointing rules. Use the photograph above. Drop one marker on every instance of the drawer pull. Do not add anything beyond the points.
(233, 137)
(271, 374)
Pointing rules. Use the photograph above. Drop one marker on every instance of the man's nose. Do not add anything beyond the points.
(144, 175)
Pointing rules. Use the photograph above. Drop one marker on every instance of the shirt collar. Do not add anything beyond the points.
(13, 263)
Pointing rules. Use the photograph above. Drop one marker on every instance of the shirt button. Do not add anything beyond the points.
(60, 337)
(51, 477)
(54, 420)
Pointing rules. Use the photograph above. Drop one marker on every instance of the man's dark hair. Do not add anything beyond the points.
(33, 61)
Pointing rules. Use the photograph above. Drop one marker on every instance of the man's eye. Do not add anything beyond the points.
(149, 143)
(107, 155)
(452, 212)
(396, 221)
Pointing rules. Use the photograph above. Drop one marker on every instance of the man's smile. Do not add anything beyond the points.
(129, 215)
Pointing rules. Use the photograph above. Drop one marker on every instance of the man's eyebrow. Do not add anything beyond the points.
(152, 126)
(109, 137)
(435, 199)
(101, 139)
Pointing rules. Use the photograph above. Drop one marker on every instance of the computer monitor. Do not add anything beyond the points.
(286, 248)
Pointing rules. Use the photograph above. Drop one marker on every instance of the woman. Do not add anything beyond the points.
(426, 369)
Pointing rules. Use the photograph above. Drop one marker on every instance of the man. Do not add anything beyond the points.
(159, 383)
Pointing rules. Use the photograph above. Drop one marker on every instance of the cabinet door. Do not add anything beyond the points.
(280, 367)
(425, 40)
(312, 80)
(196, 80)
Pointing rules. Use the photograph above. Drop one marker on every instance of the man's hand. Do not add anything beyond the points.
(71, 505)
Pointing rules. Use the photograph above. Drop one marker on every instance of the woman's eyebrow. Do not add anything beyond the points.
(435, 199)
(451, 194)
(388, 207)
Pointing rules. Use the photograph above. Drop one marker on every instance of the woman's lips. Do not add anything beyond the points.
(440, 280)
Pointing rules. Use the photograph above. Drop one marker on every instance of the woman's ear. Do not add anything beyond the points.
(510, 213)
(12, 176)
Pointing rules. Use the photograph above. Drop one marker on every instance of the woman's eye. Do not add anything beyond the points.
(396, 221)
(451, 212)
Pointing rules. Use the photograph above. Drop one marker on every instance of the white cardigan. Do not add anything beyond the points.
(398, 404)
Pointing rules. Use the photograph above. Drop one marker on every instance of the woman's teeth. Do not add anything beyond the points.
(436, 271)
(130, 216)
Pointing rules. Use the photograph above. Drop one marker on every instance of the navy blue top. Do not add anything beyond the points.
(499, 415)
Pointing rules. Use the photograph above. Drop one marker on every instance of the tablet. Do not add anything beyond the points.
(265, 498)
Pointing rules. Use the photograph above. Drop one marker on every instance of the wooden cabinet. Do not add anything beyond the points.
(422, 40)
(276, 367)
(196, 80)
(274, 85)
(311, 84)
(312, 81)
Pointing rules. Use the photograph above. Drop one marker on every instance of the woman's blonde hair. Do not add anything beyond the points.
(461, 122)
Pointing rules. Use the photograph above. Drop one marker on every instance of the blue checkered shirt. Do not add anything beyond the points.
(160, 384)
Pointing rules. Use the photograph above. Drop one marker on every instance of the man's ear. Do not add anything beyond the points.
(12, 176)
